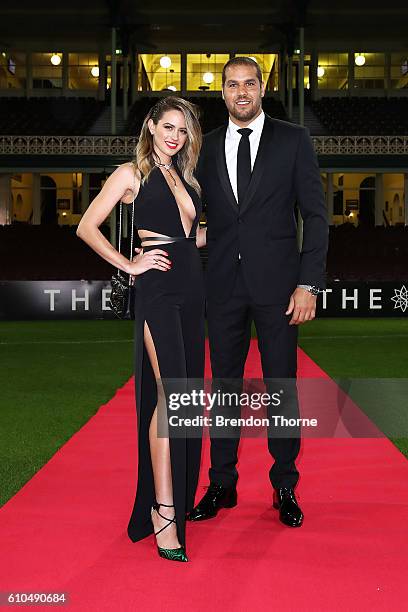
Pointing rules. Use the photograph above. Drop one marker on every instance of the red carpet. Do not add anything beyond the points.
(66, 529)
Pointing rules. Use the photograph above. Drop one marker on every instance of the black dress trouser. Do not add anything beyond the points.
(229, 326)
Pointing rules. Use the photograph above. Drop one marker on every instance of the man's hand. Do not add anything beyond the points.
(302, 304)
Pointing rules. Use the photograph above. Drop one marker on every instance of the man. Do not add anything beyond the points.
(253, 171)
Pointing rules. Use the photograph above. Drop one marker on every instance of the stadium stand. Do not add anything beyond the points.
(370, 116)
(333, 87)
(48, 116)
(76, 116)
(213, 112)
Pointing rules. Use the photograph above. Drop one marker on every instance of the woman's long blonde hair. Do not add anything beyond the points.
(187, 157)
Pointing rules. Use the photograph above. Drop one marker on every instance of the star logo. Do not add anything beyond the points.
(401, 298)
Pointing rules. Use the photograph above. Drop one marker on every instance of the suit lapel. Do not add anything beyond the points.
(223, 171)
(263, 158)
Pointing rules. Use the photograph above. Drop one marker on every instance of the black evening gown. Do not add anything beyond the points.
(172, 305)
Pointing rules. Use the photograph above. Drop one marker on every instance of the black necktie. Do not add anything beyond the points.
(243, 164)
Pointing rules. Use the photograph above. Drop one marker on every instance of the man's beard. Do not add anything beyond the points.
(246, 114)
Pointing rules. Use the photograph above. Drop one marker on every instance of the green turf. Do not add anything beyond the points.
(358, 348)
(55, 375)
(374, 349)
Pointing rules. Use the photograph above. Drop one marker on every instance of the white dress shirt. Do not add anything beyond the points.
(232, 139)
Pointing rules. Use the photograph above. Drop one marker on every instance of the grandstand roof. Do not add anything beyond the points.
(255, 25)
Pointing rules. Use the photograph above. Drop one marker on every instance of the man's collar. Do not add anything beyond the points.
(255, 125)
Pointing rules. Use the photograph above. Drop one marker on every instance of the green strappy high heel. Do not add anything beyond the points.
(172, 554)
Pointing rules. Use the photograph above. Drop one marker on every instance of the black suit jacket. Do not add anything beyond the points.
(264, 229)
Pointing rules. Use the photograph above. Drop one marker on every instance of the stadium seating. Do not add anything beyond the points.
(212, 112)
(48, 116)
(76, 116)
(363, 115)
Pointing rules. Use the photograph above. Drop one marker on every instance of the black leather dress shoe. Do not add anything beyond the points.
(284, 500)
(216, 497)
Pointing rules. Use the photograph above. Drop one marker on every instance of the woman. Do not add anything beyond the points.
(169, 308)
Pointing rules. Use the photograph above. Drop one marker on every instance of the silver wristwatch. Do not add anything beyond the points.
(312, 288)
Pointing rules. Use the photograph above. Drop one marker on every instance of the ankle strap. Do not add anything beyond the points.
(156, 507)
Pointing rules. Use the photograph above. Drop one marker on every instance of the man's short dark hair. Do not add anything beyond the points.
(242, 61)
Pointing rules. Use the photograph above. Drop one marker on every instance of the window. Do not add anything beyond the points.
(306, 69)
(61, 195)
(399, 70)
(354, 197)
(332, 71)
(370, 75)
(12, 70)
(394, 195)
(159, 72)
(21, 192)
(83, 71)
(204, 71)
(45, 74)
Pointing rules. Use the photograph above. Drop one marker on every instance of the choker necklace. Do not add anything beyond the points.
(167, 168)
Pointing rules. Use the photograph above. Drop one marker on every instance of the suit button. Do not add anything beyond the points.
(239, 220)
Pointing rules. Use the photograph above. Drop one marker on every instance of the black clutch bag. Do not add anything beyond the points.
(122, 289)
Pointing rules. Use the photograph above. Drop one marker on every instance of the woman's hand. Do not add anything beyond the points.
(156, 259)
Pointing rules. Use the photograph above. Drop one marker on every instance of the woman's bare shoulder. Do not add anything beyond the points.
(130, 174)
(128, 170)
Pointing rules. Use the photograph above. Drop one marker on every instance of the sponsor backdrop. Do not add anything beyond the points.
(28, 300)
